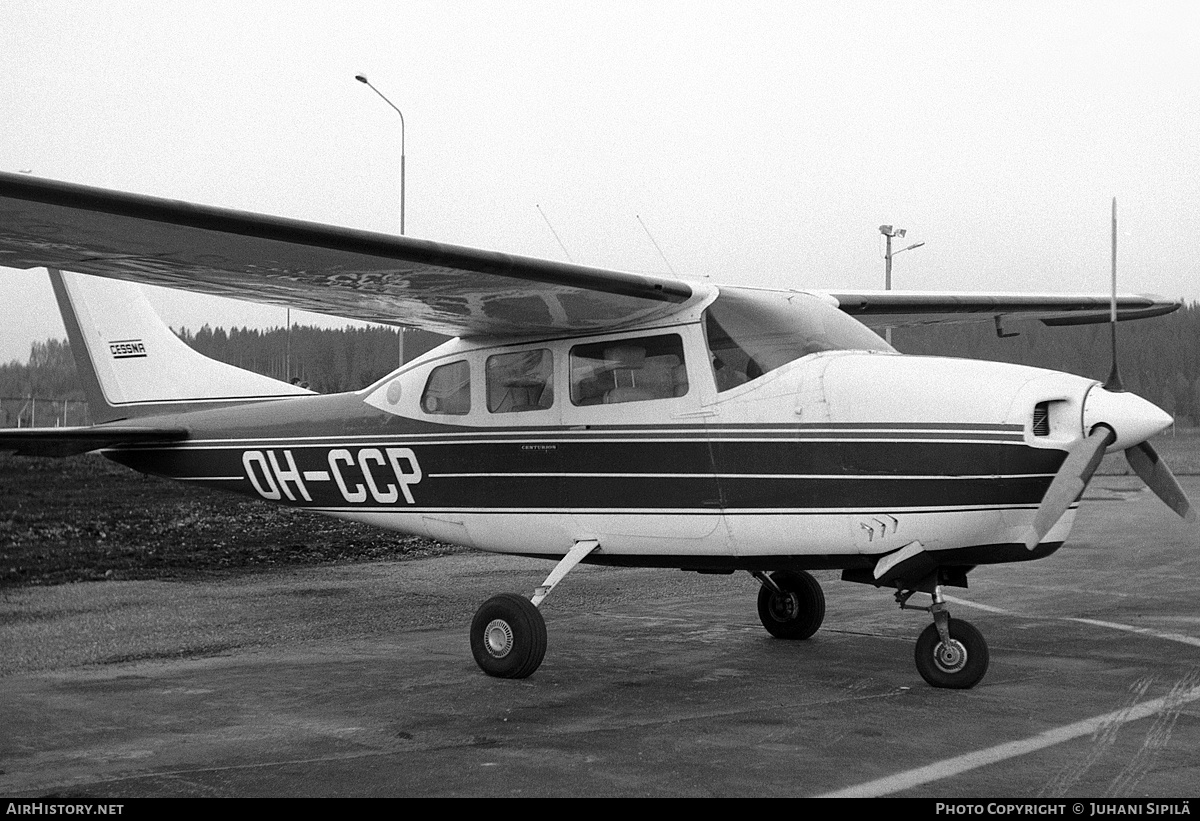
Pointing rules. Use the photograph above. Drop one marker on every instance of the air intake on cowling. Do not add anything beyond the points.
(1041, 419)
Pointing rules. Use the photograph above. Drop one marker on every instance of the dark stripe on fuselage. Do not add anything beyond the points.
(746, 468)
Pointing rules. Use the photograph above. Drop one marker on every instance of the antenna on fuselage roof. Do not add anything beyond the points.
(655, 244)
(552, 231)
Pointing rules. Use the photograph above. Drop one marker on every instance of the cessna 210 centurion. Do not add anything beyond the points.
(590, 415)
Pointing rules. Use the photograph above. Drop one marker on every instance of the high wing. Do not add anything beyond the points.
(340, 271)
(897, 309)
(398, 280)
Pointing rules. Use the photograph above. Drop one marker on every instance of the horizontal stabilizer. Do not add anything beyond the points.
(73, 441)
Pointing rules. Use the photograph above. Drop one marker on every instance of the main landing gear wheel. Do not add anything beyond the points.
(796, 609)
(958, 665)
(508, 636)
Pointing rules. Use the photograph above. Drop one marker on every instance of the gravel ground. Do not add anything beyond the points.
(86, 518)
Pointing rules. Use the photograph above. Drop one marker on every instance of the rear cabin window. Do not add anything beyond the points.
(521, 381)
(448, 389)
(628, 370)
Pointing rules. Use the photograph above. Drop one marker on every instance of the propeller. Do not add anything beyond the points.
(1111, 417)
(1081, 463)
(1159, 478)
(1068, 485)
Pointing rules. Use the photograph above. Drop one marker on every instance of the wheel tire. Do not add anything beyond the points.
(508, 636)
(960, 666)
(796, 614)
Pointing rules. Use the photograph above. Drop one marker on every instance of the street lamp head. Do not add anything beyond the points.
(362, 78)
(886, 230)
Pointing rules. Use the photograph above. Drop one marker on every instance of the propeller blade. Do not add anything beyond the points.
(1068, 484)
(1159, 478)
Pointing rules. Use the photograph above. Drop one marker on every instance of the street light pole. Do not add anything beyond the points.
(889, 232)
(362, 78)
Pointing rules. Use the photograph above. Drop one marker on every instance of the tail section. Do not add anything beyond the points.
(133, 365)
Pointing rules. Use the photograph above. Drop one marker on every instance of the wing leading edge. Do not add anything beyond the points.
(328, 269)
(896, 309)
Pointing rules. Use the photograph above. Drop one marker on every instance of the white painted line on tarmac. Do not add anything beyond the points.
(1128, 628)
(986, 608)
(1001, 752)
(1145, 631)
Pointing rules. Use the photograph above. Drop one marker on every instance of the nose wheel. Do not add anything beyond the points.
(950, 653)
(957, 663)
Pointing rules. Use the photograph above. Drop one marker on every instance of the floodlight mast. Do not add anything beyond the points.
(889, 232)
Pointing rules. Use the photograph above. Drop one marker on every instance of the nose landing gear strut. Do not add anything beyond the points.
(950, 652)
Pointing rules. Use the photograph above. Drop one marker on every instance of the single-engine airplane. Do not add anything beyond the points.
(591, 415)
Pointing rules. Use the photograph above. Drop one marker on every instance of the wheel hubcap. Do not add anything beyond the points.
(498, 638)
(784, 606)
(950, 658)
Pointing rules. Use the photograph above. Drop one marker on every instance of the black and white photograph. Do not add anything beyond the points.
(621, 399)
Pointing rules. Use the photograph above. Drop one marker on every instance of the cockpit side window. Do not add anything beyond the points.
(628, 370)
(751, 333)
(448, 389)
(522, 381)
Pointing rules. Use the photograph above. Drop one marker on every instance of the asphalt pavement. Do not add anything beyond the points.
(358, 681)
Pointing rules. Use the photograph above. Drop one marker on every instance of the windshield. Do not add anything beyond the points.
(753, 332)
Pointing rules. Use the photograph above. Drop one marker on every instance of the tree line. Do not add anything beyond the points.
(326, 360)
(1159, 358)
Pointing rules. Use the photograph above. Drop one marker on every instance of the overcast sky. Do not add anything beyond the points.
(760, 142)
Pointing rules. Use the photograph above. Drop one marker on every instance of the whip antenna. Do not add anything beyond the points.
(655, 244)
(552, 231)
